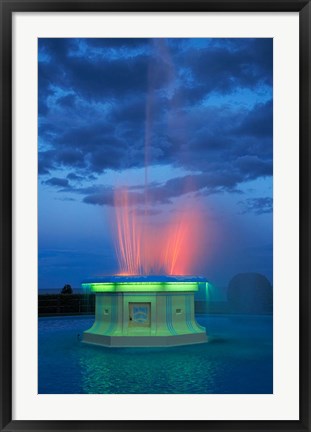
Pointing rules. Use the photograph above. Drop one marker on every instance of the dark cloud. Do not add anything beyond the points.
(107, 79)
(218, 66)
(254, 167)
(58, 182)
(87, 77)
(105, 43)
(46, 161)
(103, 198)
(216, 181)
(105, 103)
(68, 101)
(74, 177)
(257, 205)
(193, 141)
(224, 68)
(258, 122)
(73, 157)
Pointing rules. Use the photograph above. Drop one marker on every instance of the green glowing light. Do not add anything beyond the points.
(98, 287)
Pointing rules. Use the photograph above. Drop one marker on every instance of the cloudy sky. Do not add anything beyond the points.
(196, 112)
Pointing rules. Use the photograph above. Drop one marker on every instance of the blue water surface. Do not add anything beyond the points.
(237, 359)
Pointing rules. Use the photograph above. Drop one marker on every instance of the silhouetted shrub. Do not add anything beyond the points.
(250, 293)
(67, 289)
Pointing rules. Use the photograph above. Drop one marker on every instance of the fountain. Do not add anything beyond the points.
(137, 307)
(144, 311)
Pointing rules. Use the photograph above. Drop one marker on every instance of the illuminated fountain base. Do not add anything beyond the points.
(144, 311)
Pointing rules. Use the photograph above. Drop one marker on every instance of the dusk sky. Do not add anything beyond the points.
(199, 112)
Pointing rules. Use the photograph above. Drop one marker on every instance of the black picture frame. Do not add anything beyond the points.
(8, 7)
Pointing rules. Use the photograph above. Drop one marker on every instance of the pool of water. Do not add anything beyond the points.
(237, 359)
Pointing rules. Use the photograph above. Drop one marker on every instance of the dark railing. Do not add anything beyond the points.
(66, 304)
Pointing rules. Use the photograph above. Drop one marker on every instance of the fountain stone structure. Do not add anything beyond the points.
(144, 311)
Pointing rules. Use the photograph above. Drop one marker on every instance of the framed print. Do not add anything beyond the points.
(155, 215)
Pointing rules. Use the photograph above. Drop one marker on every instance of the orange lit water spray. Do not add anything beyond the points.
(143, 247)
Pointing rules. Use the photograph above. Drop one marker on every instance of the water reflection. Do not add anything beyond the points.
(237, 359)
